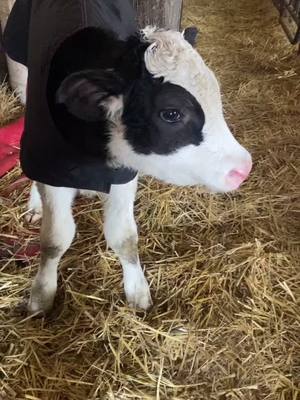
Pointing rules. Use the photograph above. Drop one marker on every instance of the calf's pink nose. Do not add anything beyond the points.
(237, 176)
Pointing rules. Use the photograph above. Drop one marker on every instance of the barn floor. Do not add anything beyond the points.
(223, 269)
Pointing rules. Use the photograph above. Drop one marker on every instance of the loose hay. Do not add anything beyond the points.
(224, 270)
(10, 107)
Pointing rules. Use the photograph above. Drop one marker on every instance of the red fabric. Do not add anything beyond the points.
(10, 145)
(18, 249)
(9, 157)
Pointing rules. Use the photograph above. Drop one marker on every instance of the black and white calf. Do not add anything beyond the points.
(159, 111)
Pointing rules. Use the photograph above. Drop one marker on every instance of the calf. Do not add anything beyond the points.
(143, 104)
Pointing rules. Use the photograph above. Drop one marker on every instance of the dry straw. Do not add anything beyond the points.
(224, 270)
(9, 105)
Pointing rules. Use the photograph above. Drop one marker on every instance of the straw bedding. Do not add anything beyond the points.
(9, 106)
(224, 270)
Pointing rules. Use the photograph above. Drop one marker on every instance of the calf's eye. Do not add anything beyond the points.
(171, 116)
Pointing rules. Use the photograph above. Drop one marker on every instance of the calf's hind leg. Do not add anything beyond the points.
(34, 205)
(57, 233)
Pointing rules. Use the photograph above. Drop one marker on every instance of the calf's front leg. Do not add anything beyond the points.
(57, 232)
(121, 235)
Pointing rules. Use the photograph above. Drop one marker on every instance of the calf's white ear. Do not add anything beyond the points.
(190, 34)
(83, 92)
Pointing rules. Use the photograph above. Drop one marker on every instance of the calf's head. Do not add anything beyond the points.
(165, 112)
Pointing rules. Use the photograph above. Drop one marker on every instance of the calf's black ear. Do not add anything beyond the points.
(190, 34)
(83, 92)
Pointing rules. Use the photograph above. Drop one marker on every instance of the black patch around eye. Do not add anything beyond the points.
(144, 117)
(171, 116)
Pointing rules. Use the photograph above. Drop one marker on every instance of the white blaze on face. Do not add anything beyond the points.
(219, 162)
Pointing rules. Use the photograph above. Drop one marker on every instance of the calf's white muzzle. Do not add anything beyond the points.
(224, 162)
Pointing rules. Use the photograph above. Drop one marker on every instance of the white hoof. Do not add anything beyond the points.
(41, 298)
(137, 291)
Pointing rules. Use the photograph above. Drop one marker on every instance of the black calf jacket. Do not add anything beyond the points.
(35, 29)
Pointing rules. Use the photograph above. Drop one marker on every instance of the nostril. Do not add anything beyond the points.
(239, 174)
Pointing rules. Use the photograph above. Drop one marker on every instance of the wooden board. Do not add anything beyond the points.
(5, 7)
(162, 13)
(3, 66)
